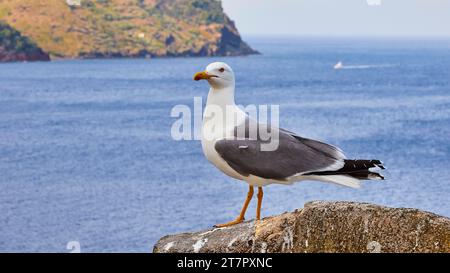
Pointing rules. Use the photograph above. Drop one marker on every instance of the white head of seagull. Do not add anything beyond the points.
(220, 78)
(219, 75)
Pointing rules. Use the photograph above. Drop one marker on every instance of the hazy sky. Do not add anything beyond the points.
(341, 17)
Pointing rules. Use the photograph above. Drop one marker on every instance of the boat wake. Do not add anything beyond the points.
(340, 65)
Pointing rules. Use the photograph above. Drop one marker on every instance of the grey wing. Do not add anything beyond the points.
(294, 155)
(325, 148)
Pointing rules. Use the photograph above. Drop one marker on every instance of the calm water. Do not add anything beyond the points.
(86, 153)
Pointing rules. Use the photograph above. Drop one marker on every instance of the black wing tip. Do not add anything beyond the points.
(378, 163)
(364, 163)
(358, 168)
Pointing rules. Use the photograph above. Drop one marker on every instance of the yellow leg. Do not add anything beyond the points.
(242, 214)
(258, 208)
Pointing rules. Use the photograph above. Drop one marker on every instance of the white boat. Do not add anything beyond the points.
(339, 65)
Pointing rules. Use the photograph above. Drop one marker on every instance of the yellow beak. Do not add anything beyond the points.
(202, 76)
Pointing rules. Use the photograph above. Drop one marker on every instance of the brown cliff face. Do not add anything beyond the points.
(324, 227)
(126, 28)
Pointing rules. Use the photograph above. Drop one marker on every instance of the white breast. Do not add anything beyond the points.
(215, 128)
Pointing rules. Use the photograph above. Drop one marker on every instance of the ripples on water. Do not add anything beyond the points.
(86, 153)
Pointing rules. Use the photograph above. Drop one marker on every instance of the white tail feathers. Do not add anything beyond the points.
(343, 180)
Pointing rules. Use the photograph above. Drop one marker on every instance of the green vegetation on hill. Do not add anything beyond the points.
(14, 46)
(12, 40)
(131, 28)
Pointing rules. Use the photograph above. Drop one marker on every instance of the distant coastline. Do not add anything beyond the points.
(121, 29)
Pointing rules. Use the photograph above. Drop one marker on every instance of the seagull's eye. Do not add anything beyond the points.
(221, 70)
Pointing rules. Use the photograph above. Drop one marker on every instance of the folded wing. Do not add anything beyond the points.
(294, 156)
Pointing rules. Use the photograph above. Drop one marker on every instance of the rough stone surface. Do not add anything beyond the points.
(324, 227)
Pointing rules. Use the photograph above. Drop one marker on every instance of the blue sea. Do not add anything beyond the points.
(86, 153)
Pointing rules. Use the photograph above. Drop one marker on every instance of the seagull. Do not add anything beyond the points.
(240, 155)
